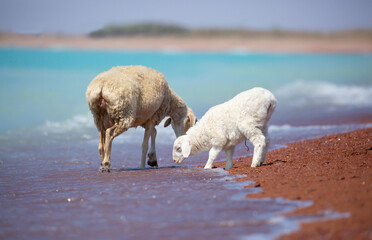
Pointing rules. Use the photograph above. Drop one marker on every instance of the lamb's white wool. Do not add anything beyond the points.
(131, 96)
(224, 126)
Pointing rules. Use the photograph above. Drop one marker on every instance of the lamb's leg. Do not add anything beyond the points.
(153, 162)
(267, 142)
(229, 154)
(259, 142)
(213, 153)
(145, 145)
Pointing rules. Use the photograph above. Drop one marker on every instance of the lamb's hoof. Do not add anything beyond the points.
(256, 165)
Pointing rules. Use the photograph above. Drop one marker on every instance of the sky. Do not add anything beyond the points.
(84, 16)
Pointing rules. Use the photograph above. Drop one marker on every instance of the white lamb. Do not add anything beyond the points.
(224, 126)
(131, 96)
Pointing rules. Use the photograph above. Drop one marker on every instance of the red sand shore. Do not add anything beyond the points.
(334, 172)
(194, 43)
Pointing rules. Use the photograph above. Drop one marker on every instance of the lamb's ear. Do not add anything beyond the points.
(195, 121)
(186, 148)
(167, 122)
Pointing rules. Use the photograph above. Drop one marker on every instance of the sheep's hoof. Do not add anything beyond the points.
(152, 162)
(103, 170)
(105, 167)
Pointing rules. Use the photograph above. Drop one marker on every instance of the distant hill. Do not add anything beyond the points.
(156, 29)
(139, 29)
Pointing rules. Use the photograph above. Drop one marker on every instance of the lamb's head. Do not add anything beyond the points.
(181, 123)
(181, 149)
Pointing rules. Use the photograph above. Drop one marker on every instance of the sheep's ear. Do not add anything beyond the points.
(167, 122)
(188, 119)
(186, 148)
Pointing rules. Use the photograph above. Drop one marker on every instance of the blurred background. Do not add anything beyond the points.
(315, 55)
(84, 17)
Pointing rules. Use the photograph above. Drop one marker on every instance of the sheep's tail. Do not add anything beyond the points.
(95, 99)
(101, 102)
(97, 104)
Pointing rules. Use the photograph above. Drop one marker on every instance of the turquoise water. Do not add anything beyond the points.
(49, 85)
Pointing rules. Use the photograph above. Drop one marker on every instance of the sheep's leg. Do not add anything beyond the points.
(213, 153)
(109, 136)
(101, 144)
(106, 148)
(229, 154)
(260, 144)
(153, 162)
(111, 133)
(145, 145)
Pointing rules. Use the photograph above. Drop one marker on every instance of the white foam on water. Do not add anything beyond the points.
(318, 93)
(135, 135)
(83, 123)
(284, 225)
(220, 172)
(287, 225)
(76, 123)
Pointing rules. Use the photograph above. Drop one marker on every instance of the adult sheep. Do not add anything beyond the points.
(226, 125)
(130, 96)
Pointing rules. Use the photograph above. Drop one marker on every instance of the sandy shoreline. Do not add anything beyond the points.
(236, 44)
(334, 172)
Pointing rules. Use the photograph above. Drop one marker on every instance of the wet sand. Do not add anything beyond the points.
(334, 172)
(280, 44)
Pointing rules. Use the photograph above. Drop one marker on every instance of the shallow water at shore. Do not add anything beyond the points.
(167, 203)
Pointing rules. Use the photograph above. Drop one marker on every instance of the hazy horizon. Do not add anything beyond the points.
(82, 17)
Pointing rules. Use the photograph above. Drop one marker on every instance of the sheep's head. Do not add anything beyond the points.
(181, 124)
(181, 149)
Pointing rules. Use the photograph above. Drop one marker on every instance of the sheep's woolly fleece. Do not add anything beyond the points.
(131, 96)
